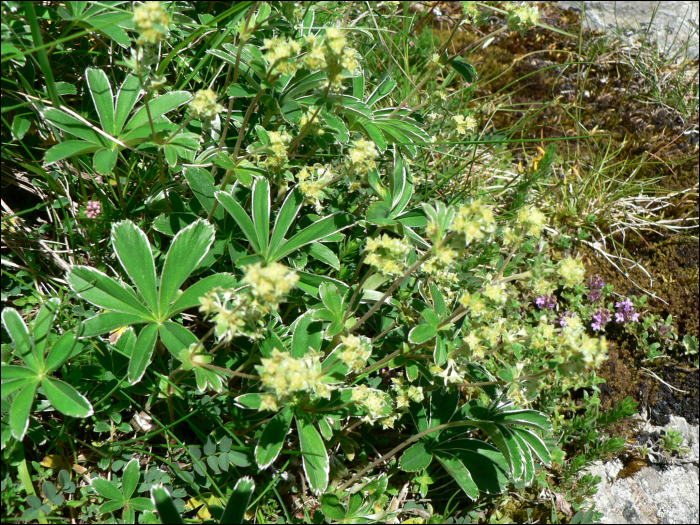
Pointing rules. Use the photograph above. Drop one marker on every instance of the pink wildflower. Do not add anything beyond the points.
(93, 210)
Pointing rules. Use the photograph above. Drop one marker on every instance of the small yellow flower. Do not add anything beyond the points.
(204, 104)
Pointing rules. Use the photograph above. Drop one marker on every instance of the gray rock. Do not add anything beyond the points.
(674, 23)
(654, 494)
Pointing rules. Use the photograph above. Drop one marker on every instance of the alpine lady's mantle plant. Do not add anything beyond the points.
(285, 259)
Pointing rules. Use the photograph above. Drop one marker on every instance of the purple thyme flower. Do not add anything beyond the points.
(546, 301)
(600, 319)
(595, 284)
(563, 320)
(625, 312)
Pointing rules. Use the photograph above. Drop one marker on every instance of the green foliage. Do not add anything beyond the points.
(286, 296)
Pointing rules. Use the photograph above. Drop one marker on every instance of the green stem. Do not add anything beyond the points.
(399, 448)
(241, 133)
(400, 281)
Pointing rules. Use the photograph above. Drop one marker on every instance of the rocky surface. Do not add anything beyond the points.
(665, 492)
(670, 23)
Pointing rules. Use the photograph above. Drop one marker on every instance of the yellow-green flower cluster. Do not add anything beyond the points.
(474, 304)
(452, 373)
(572, 271)
(269, 284)
(405, 395)
(312, 119)
(355, 351)
(234, 314)
(387, 254)
(284, 375)
(371, 400)
(521, 17)
(542, 287)
(151, 22)
(331, 53)
(277, 157)
(496, 293)
(464, 124)
(444, 258)
(280, 52)
(204, 104)
(474, 220)
(361, 157)
(578, 354)
(532, 221)
(477, 349)
(312, 183)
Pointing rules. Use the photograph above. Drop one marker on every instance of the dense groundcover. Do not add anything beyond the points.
(336, 262)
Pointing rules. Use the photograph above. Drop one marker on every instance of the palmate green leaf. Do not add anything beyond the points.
(252, 400)
(507, 444)
(401, 185)
(535, 443)
(69, 148)
(104, 160)
(143, 351)
(101, 93)
(310, 283)
(525, 418)
(19, 334)
(272, 438)
(101, 290)
(188, 248)
(422, 333)
(63, 349)
(107, 489)
(241, 217)
(176, 337)
(140, 504)
(171, 223)
(464, 68)
(190, 297)
(324, 254)
(65, 398)
(42, 326)
(459, 472)
(528, 462)
(443, 406)
(165, 505)
(111, 506)
(20, 409)
(485, 462)
(379, 213)
(332, 507)
(74, 126)
(331, 298)
(128, 94)
(307, 335)
(316, 462)
(239, 500)
(260, 212)
(158, 106)
(111, 24)
(376, 135)
(416, 458)
(134, 252)
(320, 229)
(334, 368)
(130, 479)
(106, 322)
(384, 88)
(285, 217)
(15, 372)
